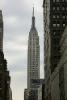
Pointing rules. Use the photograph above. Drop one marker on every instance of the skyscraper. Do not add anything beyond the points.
(33, 67)
(5, 90)
(55, 21)
(1, 31)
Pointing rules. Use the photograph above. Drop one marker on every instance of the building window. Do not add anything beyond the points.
(58, 25)
(54, 33)
(57, 0)
(54, 16)
(54, 25)
(66, 8)
(63, 25)
(57, 16)
(63, 8)
(63, 17)
(53, 8)
(58, 8)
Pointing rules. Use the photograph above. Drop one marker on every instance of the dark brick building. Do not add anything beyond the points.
(4, 79)
(55, 21)
(5, 90)
(58, 22)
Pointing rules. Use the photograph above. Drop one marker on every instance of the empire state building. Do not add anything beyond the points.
(33, 66)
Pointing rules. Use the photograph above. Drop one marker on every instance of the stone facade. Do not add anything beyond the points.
(55, 93)
(63, 66)
(47, 48)
(59, 76)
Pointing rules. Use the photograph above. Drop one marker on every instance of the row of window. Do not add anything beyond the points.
(57, 16)
(58, 8)
(58, 25)
(59, 0)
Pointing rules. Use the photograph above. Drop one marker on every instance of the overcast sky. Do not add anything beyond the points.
(17, 23)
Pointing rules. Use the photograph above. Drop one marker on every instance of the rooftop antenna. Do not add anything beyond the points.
(33, 10)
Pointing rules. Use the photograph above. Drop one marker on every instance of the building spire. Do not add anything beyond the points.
(33, 19)
(33, 11)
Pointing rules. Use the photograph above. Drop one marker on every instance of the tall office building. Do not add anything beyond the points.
(4, 73)
(55, 21)
(33, 67)
(4, 79)
(35, 85)
(1, 31)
